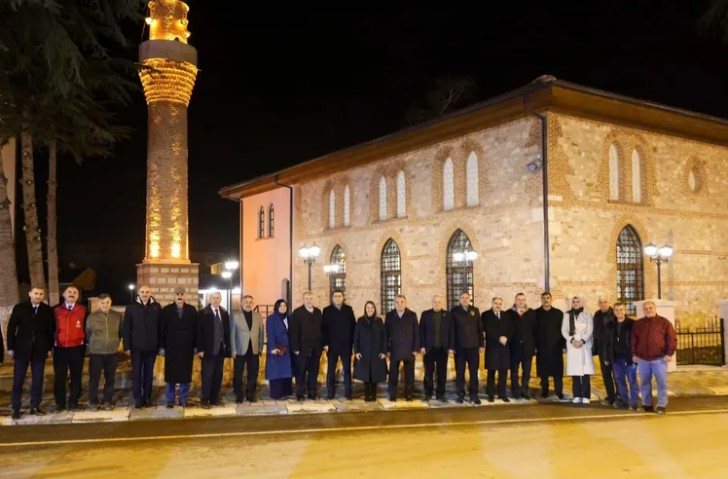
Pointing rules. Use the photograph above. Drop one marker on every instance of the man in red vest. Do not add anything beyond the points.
(69, 348)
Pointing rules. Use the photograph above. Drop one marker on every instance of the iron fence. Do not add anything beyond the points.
(701, 344)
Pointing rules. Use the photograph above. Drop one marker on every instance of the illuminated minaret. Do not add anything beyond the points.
(168, 72)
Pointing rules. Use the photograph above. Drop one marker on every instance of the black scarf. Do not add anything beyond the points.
(573, 314)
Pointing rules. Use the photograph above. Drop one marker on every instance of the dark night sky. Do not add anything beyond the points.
(278, 86)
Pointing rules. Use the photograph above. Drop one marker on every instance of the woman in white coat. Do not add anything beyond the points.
(577, 328)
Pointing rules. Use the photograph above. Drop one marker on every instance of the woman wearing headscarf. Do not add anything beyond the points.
(577, 328)
(370, 349)
(278, 370)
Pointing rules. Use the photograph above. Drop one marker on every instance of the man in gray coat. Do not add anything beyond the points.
(246, 338)
(103, 330)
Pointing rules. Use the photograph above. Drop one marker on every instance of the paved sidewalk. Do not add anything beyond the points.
(687, 381)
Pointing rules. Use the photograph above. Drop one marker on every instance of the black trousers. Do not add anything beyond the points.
(307, 371)
(332, 359)
(67, 360)
(211, 377)
(435, 360)
(97, 363)
(409, 377)
(581, 386)
(142, 375)
(608, 377)
(558, 385)
(471, 356)
(490, 388)
(519, 360)
(252, 362)
(20, 369)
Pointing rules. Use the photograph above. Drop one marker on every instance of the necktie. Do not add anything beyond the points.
(497, 315)
(35, 310)
(217, 315)
(70, 307)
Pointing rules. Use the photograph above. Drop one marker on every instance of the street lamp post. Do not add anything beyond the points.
(230, 267)
(131, 293)
(658, 256)
(466, 256)
(309, 255)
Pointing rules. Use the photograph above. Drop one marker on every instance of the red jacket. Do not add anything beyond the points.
(70, 326)
(653, 338)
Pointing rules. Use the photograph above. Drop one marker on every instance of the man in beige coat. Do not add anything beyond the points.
(246, 338)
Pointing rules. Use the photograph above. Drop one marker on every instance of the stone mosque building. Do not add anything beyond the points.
(458, 204)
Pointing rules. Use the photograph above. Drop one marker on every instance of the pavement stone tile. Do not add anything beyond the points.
(115, 415)
(215, 411)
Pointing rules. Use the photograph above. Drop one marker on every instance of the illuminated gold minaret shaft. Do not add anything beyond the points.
(168, 73)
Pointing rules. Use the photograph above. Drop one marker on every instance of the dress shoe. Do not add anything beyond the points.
(408, 398)
(205, 405)
(138, 405)
(108, 406)
(428, 397)
(170, 405)
(36, 411)
(491, 399)
(93, 406)
(475, 400)
(460, 399)
(526, 396)
(16, 414)
(252, 399)
(560, 396)
(661, 411)
(72, 407)
(393, 398)
(330, 397)
(504, 398)
(312, 397)
(60, 407)
(442, 399)
(648, 408)
(300, 397)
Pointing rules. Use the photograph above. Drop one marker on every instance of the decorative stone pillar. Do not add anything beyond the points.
(168, 72)
(666, 309)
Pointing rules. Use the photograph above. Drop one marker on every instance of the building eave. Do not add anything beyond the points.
(552, 95)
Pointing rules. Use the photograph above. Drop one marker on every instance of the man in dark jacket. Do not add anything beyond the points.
(468, 327)
(177, 341)
(604, 345)
(338, 323)
(551, 346)
(140, 333)
(402, 345)
(625, 370)
(436, 343)
(653, 343)
(523, 346)
(30, 339)
(498, 331)
(306, 336)
(213, 346)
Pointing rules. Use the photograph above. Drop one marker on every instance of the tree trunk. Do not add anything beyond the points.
(9, 276)
(30, 212)
(53, 287)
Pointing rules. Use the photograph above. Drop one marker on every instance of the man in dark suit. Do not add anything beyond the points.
(30, 340)
(338, 330)
(306, 335)
(498, 331)
(213, 344)
(468, 346)
(402, 346)
(523, 346)
(436, 342)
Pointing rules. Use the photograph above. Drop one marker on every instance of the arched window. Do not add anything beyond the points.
(337, 277)
(261, 223)
(332, 209)
(630, 271)
(347, 206)
(271, 221)
(636, 177)
(448, 185)
(382, 198)
(459, 269)
(391, 275)
(613, 173)
(401, 195)
(472, 180)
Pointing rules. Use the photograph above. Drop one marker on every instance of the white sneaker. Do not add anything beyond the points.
(576, 400)
(585, 400)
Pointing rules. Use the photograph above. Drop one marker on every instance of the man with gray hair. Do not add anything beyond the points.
(604, 326)
(103, 332)
(436, 342)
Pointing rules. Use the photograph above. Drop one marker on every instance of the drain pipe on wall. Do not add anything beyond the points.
(545, 192)
(290, 239)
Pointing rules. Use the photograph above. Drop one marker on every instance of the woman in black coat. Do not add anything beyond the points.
(370, 348)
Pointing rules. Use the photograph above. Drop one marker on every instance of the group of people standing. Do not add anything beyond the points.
(508, 339)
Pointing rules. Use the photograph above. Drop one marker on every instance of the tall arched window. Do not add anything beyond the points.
(471, 172)
(636, 177)
(261, 223)
(630, 271)
(401, 195)
(332, 209)
(391, 275)
(613, 173)
(448, 185)
(459, 269)
(271, 221)
(337, 278)
(382, 198)
(347, 206)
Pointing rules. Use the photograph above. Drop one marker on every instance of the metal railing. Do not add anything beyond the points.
(265, 310)
(701, 344)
